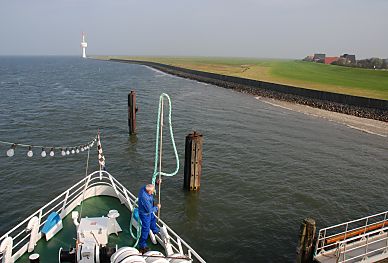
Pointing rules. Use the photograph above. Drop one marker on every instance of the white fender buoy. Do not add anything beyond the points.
(6, 249)
(33, 226)
(155, 257)
(126, 255)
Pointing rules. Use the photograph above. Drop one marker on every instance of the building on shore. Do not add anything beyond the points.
(350, 58)
(345, 59)
(330, 60)
(319, 57)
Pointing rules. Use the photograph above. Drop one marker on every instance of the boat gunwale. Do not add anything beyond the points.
(321, 243)
(121, 193)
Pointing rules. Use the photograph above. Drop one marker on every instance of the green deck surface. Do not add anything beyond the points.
(93, 207)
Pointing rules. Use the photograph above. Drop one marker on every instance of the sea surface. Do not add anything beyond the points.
(264, 168)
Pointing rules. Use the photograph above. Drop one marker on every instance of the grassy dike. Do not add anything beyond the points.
(351, 81)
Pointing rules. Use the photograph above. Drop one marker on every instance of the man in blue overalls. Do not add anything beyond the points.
(146, 214)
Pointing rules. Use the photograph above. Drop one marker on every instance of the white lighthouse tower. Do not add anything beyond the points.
(84, 45)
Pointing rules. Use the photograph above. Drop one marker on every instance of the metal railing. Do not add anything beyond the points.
(64, 203)
(362, 247)
(351, 231)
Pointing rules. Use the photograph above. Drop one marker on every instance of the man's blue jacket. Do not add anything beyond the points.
(146, 202)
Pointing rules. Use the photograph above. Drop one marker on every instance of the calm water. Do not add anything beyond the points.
(264, 168)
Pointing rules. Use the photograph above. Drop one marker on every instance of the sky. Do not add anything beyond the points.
(225, 28)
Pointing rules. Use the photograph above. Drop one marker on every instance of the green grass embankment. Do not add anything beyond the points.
(351, 81)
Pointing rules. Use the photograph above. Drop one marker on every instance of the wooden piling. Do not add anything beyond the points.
(306, 242)
(132, 112)
(193, 161)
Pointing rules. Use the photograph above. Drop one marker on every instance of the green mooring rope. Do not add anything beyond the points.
(156, 173)
(138, 229)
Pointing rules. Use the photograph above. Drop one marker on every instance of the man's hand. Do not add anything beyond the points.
(159, 206)
(159, 181)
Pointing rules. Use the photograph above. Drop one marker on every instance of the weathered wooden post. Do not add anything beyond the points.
(306, 244)
(132, 112)
(193, 161)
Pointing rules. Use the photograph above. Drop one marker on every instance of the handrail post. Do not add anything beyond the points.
(324, 237)
(180, 245)
(40, 215)
(320, 242)
(113, 185)
(366, 225)
(127, 198)
(338, 252)
(65, 202)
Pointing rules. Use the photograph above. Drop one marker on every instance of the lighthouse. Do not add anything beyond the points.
(84, 45)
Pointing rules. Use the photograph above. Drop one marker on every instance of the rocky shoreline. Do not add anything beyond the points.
(356, 106)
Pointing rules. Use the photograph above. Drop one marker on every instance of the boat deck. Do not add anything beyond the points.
(93, 207)
(102, 193)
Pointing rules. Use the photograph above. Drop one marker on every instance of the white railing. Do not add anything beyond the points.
(64, 203)
(358, 248)
(329, 237)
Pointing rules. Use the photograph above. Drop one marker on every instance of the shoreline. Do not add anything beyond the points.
(370, 126)
(376, 109)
